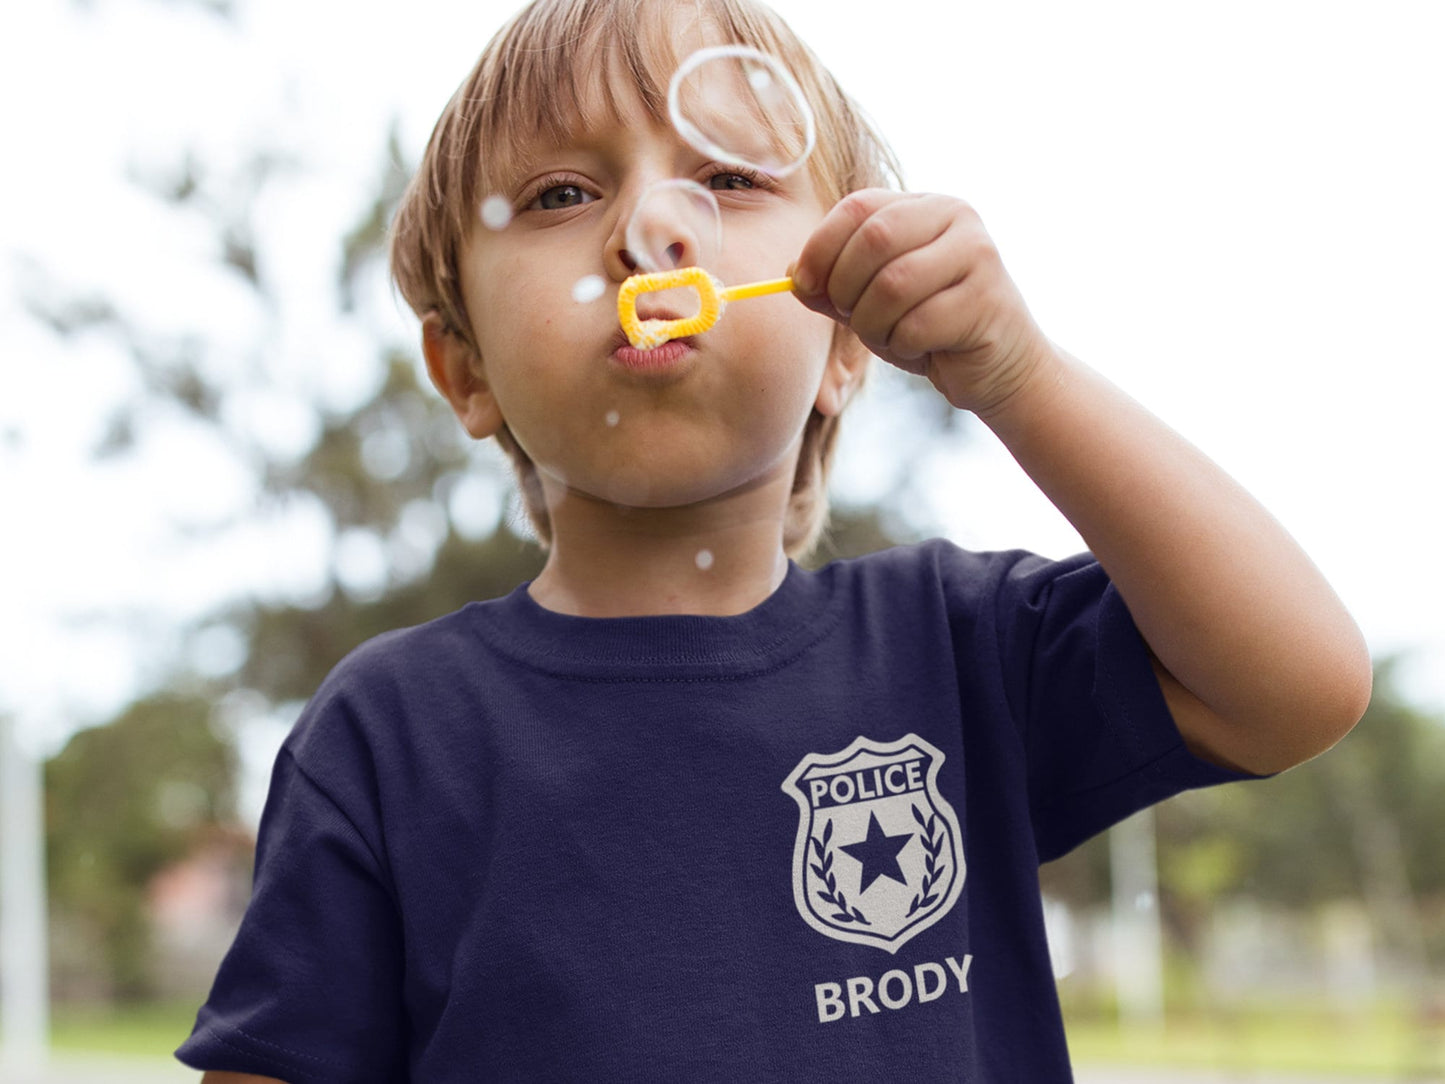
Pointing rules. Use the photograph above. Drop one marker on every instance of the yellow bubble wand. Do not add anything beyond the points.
(712, 297)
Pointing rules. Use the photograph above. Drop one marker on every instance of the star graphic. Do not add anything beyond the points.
(878, 853)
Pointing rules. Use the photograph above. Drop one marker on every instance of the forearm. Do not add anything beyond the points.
(1231, 607)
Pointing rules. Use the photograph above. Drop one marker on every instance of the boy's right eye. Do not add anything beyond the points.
(560, 197)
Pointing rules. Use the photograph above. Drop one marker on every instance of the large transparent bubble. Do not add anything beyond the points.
(675, 224)
(738, 105)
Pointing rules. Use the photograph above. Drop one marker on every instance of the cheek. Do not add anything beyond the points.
(798, 340)
(784, 387)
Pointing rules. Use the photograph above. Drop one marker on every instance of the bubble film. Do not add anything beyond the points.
(741, 106)
(675, 224)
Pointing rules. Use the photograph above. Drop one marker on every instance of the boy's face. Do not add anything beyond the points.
(693, 420)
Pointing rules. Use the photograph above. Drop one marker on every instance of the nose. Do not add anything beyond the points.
(618, 258)
(655, 247)
(668, 225)
(669, 259)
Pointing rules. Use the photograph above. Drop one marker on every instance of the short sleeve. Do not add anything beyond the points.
(1099, 739)
(310, 991)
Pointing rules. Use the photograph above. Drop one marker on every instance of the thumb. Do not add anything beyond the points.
(811, 294)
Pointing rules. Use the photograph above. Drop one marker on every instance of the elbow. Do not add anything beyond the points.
(1336, 699)
(1353, 686)
(1297, 722)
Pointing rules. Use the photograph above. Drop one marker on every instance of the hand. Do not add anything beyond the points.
(919, 281)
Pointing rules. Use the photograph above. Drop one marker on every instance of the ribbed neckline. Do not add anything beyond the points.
(802, 610)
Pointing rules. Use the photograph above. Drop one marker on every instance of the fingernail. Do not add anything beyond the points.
(803, 283)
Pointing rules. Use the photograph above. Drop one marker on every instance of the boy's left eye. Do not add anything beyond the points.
(561, 196)
(722, 182)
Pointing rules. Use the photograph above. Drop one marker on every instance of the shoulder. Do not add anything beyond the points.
(395, 654)
(960, 574)
(388, 685)
(990, 602)
(407, 661)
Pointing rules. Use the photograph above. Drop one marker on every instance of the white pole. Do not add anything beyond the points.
(1138, 936)
(24, 958)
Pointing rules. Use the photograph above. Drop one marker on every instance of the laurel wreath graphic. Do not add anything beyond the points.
(935, 866)
(834, 897)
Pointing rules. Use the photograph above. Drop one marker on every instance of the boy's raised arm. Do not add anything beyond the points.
(1259, 661)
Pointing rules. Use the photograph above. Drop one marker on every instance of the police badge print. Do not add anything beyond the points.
(878, 857)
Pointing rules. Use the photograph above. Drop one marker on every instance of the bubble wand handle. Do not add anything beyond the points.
(756, 289)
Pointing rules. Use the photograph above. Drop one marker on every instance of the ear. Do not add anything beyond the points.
(456, 371)
(847, 361)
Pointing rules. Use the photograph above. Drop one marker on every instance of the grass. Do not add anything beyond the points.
(1379, 1043)
(133, 1030)
(1385, 1042)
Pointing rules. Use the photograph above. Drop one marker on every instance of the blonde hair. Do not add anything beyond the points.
(537, 78)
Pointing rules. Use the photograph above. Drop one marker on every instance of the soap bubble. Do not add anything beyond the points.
(612, 419)
(704, 559)
(496, 212)
(738, 105)
(588, 288)
(676, 223)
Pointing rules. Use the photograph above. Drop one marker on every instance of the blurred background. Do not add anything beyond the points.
(220, 467)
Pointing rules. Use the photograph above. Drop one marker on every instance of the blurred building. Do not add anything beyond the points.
(195, 907)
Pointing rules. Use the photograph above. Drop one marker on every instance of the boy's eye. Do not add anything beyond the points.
(729, 182)
(561, 196)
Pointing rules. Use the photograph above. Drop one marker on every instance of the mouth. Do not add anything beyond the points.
(658, 359)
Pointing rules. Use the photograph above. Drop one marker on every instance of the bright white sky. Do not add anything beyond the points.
(1232, 209)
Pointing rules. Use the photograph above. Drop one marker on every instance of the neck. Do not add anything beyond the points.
(608, 561)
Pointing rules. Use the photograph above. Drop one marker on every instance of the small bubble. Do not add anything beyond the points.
(496, 212)
(588, 288)
(704, 559)
(760, 79)
(613, 418)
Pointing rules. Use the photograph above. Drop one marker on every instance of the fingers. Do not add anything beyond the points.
(813, 271)
(893, 232)
(920, 282)
(878, 255)
(903, 284)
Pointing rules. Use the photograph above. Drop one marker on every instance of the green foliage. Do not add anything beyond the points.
(123, 801)
(1321, 831)
(1361, 822)
(367, 465)
(292, 647)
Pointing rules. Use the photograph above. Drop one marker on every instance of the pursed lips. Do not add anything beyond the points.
(620, 340)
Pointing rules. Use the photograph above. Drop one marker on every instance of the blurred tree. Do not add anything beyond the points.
(122, 802)
(1361, 822)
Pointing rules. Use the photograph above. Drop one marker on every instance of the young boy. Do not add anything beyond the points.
(678, 809)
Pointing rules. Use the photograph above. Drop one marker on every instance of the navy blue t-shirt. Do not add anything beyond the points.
(801, 843)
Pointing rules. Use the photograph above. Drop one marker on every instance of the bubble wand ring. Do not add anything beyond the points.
(713, 296)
